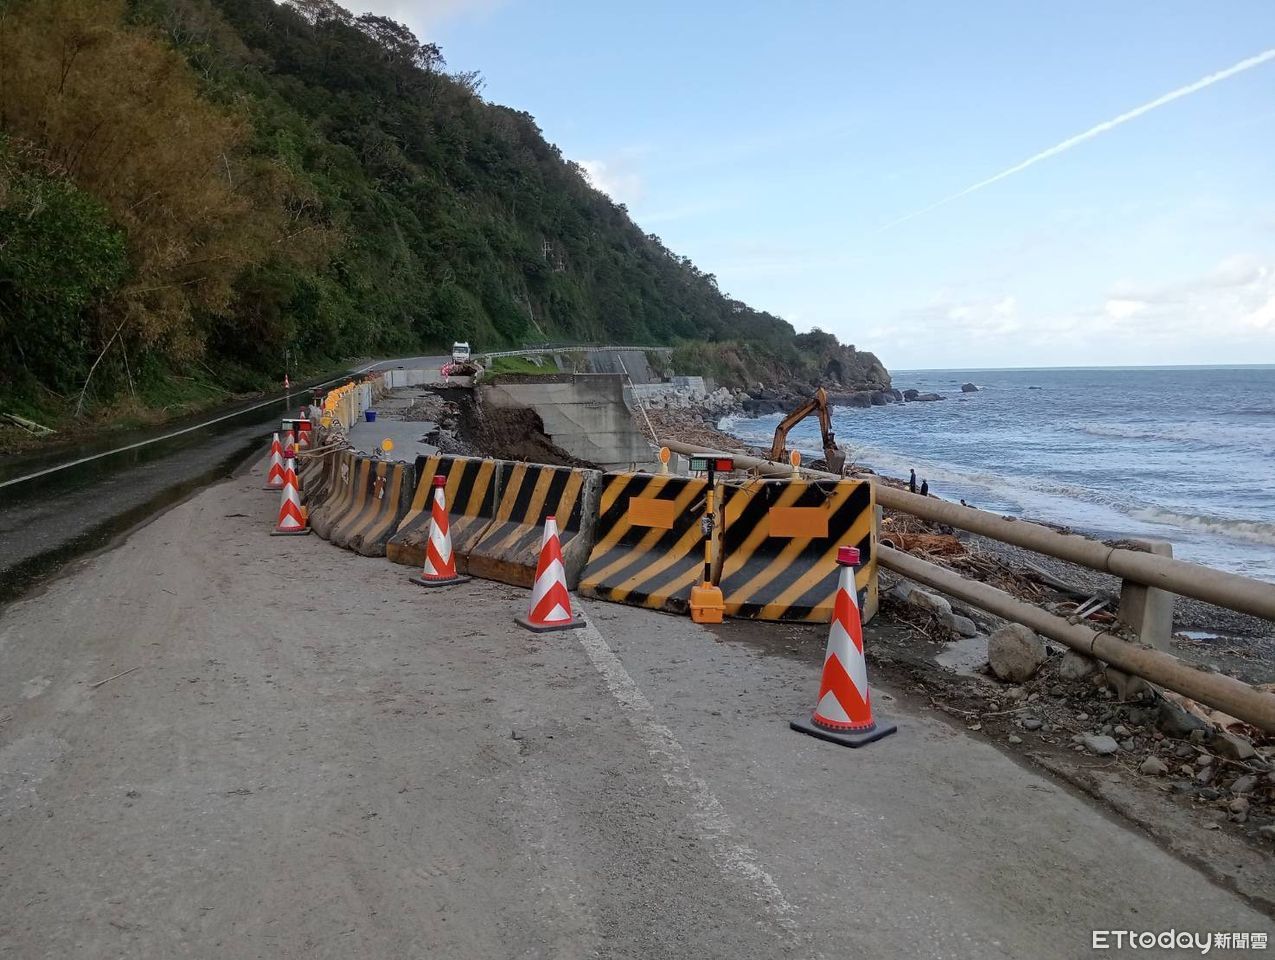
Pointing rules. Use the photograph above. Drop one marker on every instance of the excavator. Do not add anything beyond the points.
(833, 455)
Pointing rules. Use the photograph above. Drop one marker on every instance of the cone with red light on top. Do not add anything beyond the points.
(843, 713)
(293, 521)
(440, 563)
(550, 601)
(274, 475)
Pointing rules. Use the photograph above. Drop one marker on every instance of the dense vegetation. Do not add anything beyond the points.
(188, 188)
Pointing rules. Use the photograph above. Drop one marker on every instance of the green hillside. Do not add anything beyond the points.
(188, 188)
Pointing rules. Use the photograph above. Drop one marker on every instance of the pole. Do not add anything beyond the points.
(708, 531)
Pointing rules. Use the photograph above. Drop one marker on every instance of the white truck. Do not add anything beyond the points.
(460, 352)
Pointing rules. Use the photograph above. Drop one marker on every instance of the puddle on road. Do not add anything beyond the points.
(31, 572)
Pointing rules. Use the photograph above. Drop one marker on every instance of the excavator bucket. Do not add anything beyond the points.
(836, 459)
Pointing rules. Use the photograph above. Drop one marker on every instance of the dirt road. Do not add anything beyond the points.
(314, 758)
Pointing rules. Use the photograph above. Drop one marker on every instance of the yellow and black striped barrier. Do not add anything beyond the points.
(649, 541)
(349, 474)
(470, 493)
(778, 549)
(509, 549)
(369, 527)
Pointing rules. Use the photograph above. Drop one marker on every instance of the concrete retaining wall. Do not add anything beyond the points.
(585, 415)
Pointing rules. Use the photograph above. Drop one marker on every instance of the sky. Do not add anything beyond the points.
(838, 163)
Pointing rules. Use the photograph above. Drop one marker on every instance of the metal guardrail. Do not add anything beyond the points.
(1151, 571)
(543, 350)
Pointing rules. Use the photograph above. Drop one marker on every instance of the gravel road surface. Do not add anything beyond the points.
(314, 758)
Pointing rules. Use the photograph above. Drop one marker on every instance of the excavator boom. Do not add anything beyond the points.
(833, 455)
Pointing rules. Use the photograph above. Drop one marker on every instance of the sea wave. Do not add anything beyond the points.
(1250, 530)
(1203, 436)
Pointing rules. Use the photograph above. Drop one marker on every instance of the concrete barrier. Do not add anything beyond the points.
(779, 543)
(388, 494)
(509, 548)
(470, 493)
(649, 546)
(347, 475)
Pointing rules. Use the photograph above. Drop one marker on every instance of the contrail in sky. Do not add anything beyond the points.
(1092, 132)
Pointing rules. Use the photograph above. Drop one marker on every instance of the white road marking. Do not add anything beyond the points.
(715, 826)
(178, 433)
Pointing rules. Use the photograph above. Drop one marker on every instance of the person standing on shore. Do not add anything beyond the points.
(925, 488)
(912, 482)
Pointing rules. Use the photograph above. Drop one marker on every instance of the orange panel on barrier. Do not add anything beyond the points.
(797, 522)
(650, 512)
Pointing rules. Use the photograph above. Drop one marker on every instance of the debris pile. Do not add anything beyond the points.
(1065, 704)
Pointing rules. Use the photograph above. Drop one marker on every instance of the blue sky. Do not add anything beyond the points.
(773, 144)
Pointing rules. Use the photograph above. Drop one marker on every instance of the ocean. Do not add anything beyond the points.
(1184, 454)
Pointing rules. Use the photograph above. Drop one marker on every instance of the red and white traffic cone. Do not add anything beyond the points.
(292, 520)
(844, 712)
(550, 601)
(289, 442)
(440, 562)
(303, 434)
(274, 475)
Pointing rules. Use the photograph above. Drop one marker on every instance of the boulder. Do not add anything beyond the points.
(930, 602)
(880, 398)
(1153, 767)
(911, 394)
(958, 624)
(968, 388)
(1015, 653)
(760, 408)
(898, 397)
(1075, 666)
(1176, 722)
(1232, 746)
(929, 397)
(1099, 744)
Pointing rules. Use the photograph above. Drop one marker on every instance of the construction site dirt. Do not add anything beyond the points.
(192, 766)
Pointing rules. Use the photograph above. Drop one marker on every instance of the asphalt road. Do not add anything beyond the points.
(314, 758)
(70, 509)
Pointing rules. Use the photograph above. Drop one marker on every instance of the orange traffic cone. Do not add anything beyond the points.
(274, 476)
(292, 521)
(303, 435)
(844, 712)
(289, 440)
(440, 563)
(550, 602)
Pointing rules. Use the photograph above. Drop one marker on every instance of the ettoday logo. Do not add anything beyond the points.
(1203, 942)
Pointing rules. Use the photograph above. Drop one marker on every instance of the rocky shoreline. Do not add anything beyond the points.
(761, 401)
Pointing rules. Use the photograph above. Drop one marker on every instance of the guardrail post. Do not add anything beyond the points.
(1148, 611)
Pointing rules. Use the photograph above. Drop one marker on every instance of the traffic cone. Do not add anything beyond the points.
(440, 563)
(289, 441)
(292, 520)
(303, 434)
(550, 602)
(844, 712)
(274, 476)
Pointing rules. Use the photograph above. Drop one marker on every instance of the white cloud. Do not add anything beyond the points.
(1264, 316)
(423, 14)
(1232, 304)
(614, 178)
(1119, 308)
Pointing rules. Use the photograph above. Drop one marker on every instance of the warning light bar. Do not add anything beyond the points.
(710, 464)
